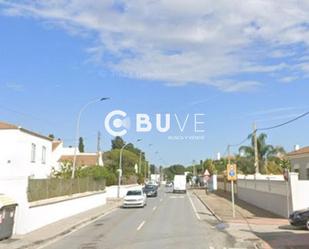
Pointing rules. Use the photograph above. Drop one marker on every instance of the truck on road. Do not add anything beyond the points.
(180, 184)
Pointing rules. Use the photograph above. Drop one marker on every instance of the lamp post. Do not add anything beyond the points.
(140, 162)
(77, 130)
(145, 168)
(120, 167)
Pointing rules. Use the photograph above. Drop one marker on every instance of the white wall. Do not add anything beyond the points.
(299, 189)
(268, 194)
(111, 191)
(43, 215)
(29, 218)
(272, 192)
(16, 188)
(15, 147)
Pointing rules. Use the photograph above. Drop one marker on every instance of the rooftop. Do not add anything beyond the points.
(301, 151)
(7, 126)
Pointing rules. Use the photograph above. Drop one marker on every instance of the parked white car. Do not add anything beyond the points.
(135, 198)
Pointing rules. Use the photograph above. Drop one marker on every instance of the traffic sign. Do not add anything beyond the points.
(231, 171)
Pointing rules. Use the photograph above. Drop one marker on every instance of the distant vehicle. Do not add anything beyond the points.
(155, 177)
(135, 198)
(300, 218)
(169, 184)
(180, 183)
(151, 190)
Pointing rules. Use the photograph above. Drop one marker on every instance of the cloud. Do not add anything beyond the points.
(288, 79)
(182, 42)
(14, 87)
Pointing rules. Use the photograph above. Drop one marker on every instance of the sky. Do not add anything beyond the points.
(236, 62)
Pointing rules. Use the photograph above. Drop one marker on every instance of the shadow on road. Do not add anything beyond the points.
(285, 239)
(252, 211)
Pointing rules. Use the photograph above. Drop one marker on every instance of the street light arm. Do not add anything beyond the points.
(77, 130)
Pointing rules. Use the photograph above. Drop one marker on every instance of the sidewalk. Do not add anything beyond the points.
(254, 224)
(58, 229)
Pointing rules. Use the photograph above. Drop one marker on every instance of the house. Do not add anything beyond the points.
(24, 152)
(299, 159)
(27, 153)
(63, 155)
(83, 159)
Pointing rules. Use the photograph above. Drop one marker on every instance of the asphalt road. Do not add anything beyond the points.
(168, 221)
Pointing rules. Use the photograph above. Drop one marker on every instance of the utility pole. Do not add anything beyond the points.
(232, 181)
(99, 148)
(194, 168)
(140, 162)
(256, 157)
(229, 154)
(99, 142)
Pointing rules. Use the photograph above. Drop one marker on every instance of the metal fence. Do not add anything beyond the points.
(40, 189)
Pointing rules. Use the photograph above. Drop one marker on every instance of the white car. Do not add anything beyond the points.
(135, 198)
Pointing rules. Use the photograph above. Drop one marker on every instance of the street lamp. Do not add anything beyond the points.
(120, 167)
(77, 130)
(146, 164)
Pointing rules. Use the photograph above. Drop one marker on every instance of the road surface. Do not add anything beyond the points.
(171, 221)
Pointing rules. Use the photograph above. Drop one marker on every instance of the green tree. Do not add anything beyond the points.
(245, 165)
(152, 169)
(209, 165)
(176, 169)
(265, 151)
(117, 143)
(81, 146)
(51, 136)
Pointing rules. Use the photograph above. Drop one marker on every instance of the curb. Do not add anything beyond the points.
(210, 210)
(257, 245)
(85, 222)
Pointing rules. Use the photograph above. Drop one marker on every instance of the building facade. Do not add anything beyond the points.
(24, 152)
(299, 159)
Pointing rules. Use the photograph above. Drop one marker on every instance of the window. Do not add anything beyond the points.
(295, 168)
(43, 154)
(33, 148)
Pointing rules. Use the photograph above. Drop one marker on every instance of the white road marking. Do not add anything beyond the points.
(194, 208)
(177, 197)
(141, 225)
(154, 208)
(161, 200)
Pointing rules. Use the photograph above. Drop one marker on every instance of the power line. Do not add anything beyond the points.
(285, 123)
(269, 128)
(242, 142)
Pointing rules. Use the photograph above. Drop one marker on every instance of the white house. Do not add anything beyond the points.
(24, 152)
(27, 153)
(300, 162)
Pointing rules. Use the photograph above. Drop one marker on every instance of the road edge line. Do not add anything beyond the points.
(210, 210)
(193, 207)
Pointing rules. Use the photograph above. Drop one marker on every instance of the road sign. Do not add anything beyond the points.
(231, 172)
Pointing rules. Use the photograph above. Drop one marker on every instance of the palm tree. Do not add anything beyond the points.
(265, 151)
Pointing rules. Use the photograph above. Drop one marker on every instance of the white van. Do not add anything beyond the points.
(180, 184)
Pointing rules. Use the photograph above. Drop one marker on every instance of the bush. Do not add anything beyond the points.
(95, 172)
